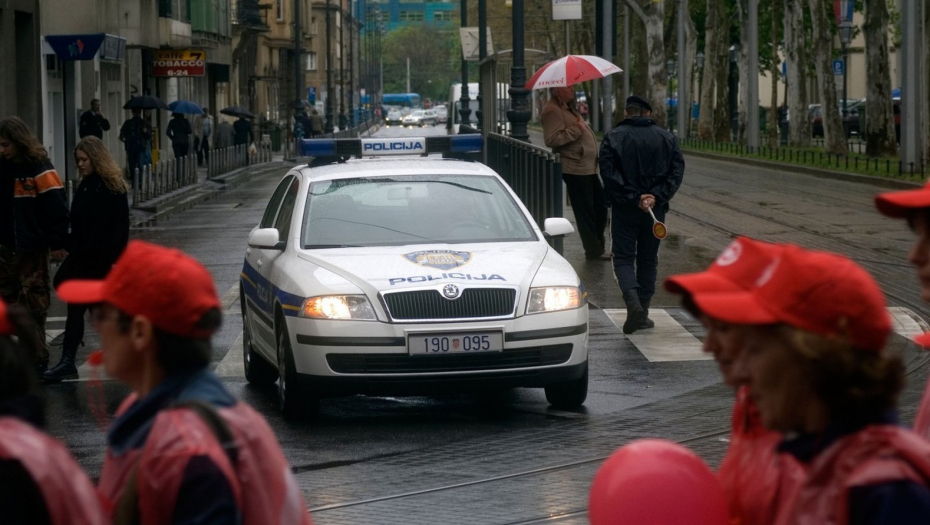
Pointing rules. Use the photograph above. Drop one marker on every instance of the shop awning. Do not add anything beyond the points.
(88, 46)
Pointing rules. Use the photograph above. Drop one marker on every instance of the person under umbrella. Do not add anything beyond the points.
(179, 132)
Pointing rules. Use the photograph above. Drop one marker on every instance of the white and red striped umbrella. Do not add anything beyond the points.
(570, 70)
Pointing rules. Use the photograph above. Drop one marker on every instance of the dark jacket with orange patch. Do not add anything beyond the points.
(33, 206)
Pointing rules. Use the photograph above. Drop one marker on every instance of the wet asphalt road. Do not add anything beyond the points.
(418, 443)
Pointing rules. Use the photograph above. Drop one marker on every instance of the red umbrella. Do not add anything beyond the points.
(570, 70)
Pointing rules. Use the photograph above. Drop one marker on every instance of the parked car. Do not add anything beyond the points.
(442, 113)
(816, 116)
(421, 117)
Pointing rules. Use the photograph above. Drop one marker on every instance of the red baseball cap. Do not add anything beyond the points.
(736, 268)
(820, 292)
(6, 327)
(167, 286)
(900, 204)
(923, 340)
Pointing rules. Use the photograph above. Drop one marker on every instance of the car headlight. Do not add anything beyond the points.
(355, 307)
(554, 299)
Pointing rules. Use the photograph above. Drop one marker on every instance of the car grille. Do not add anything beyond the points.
(406, 364)
(474, 303)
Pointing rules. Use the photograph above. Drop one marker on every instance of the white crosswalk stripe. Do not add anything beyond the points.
(906, 322)
(668, 341)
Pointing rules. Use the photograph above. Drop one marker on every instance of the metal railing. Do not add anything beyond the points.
(154, 180)
(225, 160)
(855, 163)
(534, 173)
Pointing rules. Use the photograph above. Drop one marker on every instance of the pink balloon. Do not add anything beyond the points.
(656, 482)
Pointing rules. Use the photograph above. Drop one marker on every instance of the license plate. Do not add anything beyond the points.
(454, 343)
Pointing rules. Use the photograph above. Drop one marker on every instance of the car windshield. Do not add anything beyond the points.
(418, 113)
(414, 209)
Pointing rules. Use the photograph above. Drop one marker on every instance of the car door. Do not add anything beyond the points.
(259, 291)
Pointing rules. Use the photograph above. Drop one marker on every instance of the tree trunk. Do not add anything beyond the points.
(834, 138)
(688, 87)
(653, 18)
(743, 101)
(773, 108)
(880, 138)
(722, 107)
(706, 87)
(799, 129)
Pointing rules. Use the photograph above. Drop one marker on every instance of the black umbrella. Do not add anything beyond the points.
(145, 102)
(236, 111)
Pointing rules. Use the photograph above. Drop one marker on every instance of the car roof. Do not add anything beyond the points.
(391, 166)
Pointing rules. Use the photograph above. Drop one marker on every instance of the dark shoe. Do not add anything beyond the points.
(41, 368)
(65, 368)
(647, 322)
(635, 314)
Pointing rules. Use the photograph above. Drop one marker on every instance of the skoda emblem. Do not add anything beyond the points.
(450, 291)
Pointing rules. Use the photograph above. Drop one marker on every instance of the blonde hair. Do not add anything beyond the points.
(27, 145)
(103, 163)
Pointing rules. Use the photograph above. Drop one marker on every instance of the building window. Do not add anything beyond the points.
(311, 61)
(442, 16)
(279, 9)
(412, 1)
(411, 16)
(314, 29)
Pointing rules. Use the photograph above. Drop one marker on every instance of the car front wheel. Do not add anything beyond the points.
(569, 394)
(293, 399)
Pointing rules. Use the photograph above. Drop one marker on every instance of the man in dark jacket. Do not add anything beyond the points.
(135, 134)
(93, 122)
(642, 167)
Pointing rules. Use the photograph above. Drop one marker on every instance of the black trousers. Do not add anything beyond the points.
(635, 249)
(180, 150)
(590, 207)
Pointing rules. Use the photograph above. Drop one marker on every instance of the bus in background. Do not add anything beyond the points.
(407, 102)
(503, 104)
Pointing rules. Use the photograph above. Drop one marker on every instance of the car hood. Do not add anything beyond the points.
(427, 266)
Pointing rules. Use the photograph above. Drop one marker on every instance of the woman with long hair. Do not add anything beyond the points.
(99, 233)
(40, 480)
(33, 225)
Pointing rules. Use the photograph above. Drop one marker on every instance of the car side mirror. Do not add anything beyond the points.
(266, 239)
(557, 227)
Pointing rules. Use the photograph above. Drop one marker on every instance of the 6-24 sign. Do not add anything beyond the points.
(183, 63)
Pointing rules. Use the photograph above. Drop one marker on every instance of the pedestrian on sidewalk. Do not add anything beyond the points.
(756, 479)
(197, 128)
(33, 225)
(182, 449)
(136, 135)
(40, 481)
(914, 206)
(642, 168)
(565, 131)
(225, 135)
(815, 361)
(316, 124)
(92, 122)
(179, 133)
(207, 134)
(99, 233)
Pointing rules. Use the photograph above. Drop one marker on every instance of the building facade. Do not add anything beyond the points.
(19, 54)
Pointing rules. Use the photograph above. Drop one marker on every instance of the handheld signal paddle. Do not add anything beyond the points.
(658, 227)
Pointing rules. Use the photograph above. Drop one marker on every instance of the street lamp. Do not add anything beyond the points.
(843, 9)
(671, 74)
(734, 86)
(700, 69)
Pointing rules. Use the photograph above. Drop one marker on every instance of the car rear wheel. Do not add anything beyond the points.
(258, 371)
(293, 399)
(569, 394)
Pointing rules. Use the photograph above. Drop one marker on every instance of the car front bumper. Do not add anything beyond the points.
(359, 357)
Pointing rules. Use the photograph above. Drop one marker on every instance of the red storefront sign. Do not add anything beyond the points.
(183, 63)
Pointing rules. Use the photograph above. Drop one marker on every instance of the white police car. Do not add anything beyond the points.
(407, 275)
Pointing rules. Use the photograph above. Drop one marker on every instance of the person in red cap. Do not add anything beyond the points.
(182, 449)
(40, 482)
(815, 362)
(914, 206)
(755, 477)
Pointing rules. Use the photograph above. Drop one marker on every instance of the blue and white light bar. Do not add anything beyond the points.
(378, 147)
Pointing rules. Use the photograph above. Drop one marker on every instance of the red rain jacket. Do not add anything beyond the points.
(756, 478)
(877, 454)
(265, 488)
(69, 495)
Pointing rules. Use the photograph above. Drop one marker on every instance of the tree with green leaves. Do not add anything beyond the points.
(434, 54)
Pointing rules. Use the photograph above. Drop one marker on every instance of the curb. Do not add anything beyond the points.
(821, 173)
(184, 198)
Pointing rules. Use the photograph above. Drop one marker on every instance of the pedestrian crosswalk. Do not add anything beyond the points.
(668, 341)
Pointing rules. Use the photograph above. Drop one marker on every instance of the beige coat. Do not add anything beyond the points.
(572, 140)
